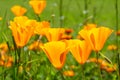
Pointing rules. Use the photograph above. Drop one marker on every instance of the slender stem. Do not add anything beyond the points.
(61, 13)
(53, 19)
(117, 39)
(17, 60)
(3, 76)
(38, 17)
(99, 70)
(83, 73)
(62, 75)
(86, 9)
(15, 69)
(94, 14)
(105, 58)
(59, 73)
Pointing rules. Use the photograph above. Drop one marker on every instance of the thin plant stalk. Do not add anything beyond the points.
(98, 65)
(86, 9)
(117, 39)
(59, 73)
(94, 14)
(83, 73)
(38, 17)
(3, 75)
(53, 20)
(61, 13)
(15, 69)
(17, 60)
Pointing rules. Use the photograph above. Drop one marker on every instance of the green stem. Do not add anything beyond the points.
(15, 69)
(83, 73)
(3, 76)
(17, 60)
(117, 39)
(32, 61)
(86, 9)
(38, 17)
(99, 70)
(94, 14)
(61, 13)
(105, 58)
(53, 20)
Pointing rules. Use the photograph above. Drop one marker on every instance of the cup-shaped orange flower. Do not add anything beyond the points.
(18, 10)
(96, 37)
(22, 30)
(89, 26)
(112, 47)
(56, 52)
(40, 26)
(38, 5)
(69, 73)
(80, 49)
(35, 45)
(3, 47)
(53, 34)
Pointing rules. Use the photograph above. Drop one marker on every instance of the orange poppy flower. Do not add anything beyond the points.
(35, 45)
(66, 37)
(18, 10)
(2, 62)
(111, 69)
(56, 52)
(89, 26)
(112, 47)
(96, 37)
(8, 64)
(103, 63)
(53, 34)
(80, 50)
(69, 73)
(40, 26)
(38, 5)
(3, 47)
(22, 30)
(6, 60)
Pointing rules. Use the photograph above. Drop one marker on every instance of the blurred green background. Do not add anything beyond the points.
(73, 11)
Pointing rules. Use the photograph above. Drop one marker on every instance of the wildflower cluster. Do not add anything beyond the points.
(35, 36)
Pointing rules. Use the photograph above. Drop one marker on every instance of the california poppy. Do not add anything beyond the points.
(22, 30)
(96, 37)
(66, 37)
(56, 52)
(112, 47)
(38, 5)
(53, 34)
(35, 45)
(80, 49)
(18, 10)
(3, 47)
(89, 26)
(69, 73)
(40, 26)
